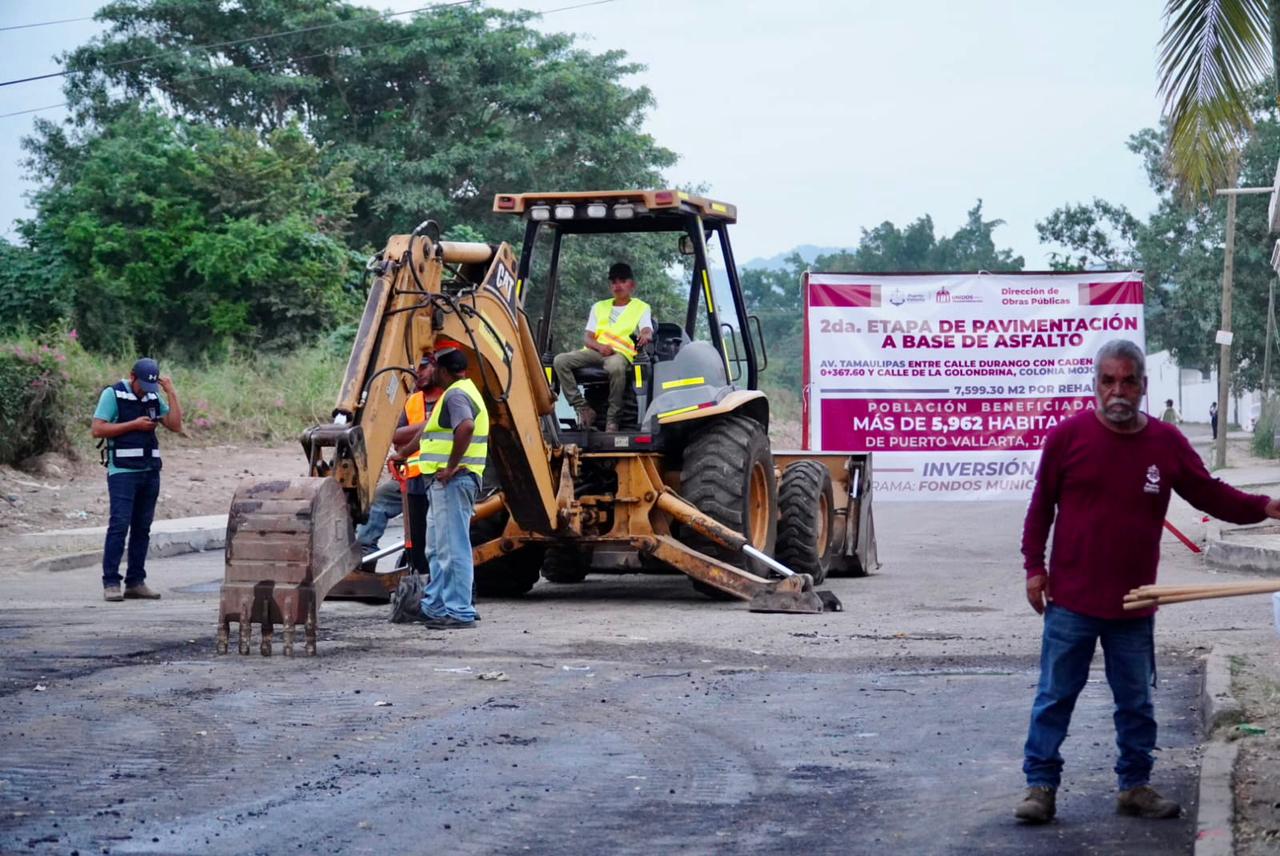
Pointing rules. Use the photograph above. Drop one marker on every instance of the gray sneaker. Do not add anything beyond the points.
(140, 592)
(1145, 801)
(111, 594)
(1039, 805)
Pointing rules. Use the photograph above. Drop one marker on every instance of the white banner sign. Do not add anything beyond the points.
(953, 380)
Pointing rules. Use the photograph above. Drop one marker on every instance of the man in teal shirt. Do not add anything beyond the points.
(126, 418)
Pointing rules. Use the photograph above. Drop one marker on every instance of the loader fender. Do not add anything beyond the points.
(749, 402)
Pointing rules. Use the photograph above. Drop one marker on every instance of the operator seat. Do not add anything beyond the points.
(668, 339)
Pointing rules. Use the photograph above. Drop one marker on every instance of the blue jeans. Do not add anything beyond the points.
(386, 506)
(448, 591)
(133, 505)
(1128, 648)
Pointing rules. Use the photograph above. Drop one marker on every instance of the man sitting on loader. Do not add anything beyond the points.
(608, 345)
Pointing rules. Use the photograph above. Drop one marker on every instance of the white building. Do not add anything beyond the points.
(1192, 393)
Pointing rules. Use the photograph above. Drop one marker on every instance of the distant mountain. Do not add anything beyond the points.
(808, 252)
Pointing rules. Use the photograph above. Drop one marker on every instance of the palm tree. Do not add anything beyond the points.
(1213, 53)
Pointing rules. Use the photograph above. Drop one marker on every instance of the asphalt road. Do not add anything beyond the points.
(633, 717)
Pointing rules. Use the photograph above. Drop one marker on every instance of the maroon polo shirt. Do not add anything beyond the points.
(1105, 494)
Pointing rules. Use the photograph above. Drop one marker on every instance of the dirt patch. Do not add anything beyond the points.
(1256, 683)
(59, 492)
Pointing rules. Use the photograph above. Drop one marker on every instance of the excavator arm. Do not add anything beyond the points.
(291, 542)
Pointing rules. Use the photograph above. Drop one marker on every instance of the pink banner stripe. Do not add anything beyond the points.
(1104, 293)
(844, 295)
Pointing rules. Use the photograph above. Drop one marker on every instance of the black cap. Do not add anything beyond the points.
(619, 271)
(147, 373)
(452, 360)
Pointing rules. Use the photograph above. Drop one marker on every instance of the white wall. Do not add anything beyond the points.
(1192, 393)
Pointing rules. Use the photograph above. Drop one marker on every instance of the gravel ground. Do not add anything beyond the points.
(635, 717)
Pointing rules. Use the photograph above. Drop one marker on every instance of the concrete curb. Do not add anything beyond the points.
(1236, 556)
(165, 543)
(1215, 812)
(1218, 707)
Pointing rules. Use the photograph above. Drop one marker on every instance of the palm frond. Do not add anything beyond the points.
(1211, 55)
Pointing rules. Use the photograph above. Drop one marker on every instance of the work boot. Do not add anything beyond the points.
(111, 594)
(448, 623)
(611, 425)
(140, 592)
(586, 417)
(1145, 801)
(1039, 806)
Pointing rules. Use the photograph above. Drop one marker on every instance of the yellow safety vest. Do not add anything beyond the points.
(437, 441)
(618, 334)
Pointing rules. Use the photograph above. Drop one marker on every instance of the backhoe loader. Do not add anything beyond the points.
(688, 483)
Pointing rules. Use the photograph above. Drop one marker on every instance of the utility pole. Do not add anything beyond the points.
(1224, 335)
(1224, 331)
(1266, 350)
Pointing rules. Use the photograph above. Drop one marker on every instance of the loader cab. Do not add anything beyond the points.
(706, 349)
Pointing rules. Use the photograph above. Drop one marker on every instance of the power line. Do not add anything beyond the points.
(334, 52)
(45, 24)
(264, 37)
(32, 110)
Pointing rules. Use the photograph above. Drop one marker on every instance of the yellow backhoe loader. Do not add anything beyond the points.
(688, 483)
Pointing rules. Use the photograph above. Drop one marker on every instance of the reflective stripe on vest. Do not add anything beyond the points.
(415, 410)
(437, 441)
(618, 334)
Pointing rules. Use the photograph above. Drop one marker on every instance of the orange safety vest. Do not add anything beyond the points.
(415, 411)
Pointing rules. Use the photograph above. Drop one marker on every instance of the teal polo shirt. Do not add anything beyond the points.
(109, 411)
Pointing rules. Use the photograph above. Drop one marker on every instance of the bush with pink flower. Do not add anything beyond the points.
(33, 413)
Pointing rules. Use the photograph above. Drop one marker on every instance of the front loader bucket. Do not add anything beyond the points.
(793, 594)
(289, 543)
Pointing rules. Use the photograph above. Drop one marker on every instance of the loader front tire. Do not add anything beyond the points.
(806, 530)
(728, 475)
(564, 565)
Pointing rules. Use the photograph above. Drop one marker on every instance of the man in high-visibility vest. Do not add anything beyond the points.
(608, 344)
(387, 502)
(451, 455)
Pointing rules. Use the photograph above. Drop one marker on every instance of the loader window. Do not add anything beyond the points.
(726, 310)
(582, 279)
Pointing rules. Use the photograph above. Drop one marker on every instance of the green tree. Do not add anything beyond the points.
(180, 237)
(33, 289)
(1180, 252)
(437, 111)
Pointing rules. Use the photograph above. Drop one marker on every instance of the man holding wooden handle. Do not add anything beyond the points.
(1103, 486)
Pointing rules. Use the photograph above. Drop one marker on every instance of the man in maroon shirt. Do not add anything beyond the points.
(1103, 486)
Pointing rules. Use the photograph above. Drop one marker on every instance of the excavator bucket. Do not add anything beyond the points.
(289, 542)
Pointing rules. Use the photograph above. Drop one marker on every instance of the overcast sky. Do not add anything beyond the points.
(819, 118)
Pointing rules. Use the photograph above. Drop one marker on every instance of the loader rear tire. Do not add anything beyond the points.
(564, 565)
(806, 530)
(509, 575)
(728, 475)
